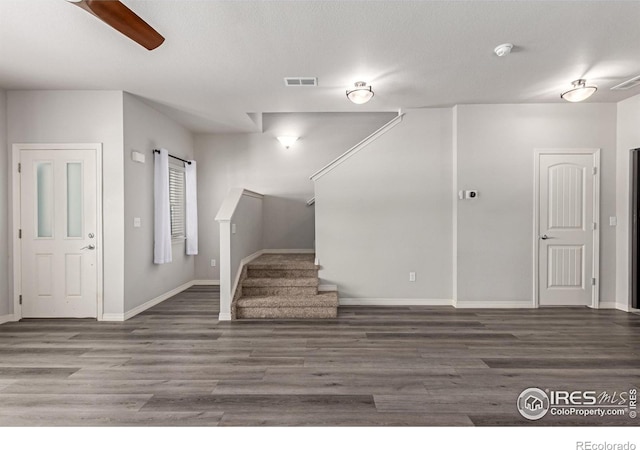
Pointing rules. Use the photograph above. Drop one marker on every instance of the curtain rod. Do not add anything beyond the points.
(174, 157)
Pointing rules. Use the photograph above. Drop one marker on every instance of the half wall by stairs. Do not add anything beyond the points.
(282, 286)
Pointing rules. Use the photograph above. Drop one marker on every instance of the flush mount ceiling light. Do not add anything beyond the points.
(503, 49)
(579, 92)
(287, 141)
(361, 93)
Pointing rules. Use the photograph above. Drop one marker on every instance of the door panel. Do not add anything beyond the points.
(58, 198)
(566, 224)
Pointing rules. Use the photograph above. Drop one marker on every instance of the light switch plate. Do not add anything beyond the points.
(233, 228)
(613, 221)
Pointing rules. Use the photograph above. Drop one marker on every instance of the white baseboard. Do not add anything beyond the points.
(609, 305)
(623, 307)
(509, 304)
(289, 250)
(206, 282)
(7, 318)
(224, 317)
(395, 302)
(327, 288)
(110, 317)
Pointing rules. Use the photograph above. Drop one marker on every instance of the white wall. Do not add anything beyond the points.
(392, 208)
(258, 162)
(247, 239)
(495, 147)
(82, 117)
(386, 212)
(6, 303)
(144, 130)
(628, 137)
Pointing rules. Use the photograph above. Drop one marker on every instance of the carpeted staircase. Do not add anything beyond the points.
(282, 286)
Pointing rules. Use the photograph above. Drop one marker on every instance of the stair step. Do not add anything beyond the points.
(287, 313)
(280, 282)
(325, 299)
(263, 291)
(282, 273)
(283, 261)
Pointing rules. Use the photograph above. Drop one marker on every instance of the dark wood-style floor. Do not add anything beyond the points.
(176, 364)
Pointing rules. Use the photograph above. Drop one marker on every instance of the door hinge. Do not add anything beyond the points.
(20, 233)
(19, 167)
(595, 170)
(20, 299)
(593, 282)
(594, 226)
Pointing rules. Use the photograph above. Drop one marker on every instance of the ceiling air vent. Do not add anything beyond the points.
(300, 81)
(635, 81)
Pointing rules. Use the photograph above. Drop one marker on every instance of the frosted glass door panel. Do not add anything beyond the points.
(44, 199)
(74, 200)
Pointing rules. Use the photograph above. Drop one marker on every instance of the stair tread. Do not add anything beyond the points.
(281, 282)
(324, 299)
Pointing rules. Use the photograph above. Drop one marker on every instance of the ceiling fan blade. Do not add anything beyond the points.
(118, 16)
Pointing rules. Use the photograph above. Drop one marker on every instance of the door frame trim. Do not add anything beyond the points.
(595, 262)
(17, 250)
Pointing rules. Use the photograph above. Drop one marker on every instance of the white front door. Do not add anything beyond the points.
(58, 219)
(567, 226)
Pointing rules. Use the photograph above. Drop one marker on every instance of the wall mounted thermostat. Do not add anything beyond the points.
(467, 195)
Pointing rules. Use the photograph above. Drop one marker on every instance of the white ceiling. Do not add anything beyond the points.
(224, 59)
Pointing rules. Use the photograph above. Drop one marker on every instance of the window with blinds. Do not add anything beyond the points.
(177, 202)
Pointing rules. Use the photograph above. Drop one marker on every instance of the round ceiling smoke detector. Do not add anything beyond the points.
(503, 49)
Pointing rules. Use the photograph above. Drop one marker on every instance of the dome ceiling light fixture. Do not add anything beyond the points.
(361, 93)
(579, 92)
(287, 141)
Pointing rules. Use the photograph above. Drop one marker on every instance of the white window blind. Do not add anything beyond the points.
(177, 201)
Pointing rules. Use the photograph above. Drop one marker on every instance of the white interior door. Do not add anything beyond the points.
(567, 223)
(58, 218)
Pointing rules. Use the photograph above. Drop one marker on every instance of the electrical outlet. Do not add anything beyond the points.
(137, 223)
(412, 276)
(613, 221)
(213, 263)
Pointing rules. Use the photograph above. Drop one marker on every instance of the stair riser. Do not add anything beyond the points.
(294, 266)
(280, 282)
(287, 273)
(287, 313)
(249, 291)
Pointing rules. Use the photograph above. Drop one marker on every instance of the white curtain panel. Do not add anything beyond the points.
(162, 210)
(191, 207)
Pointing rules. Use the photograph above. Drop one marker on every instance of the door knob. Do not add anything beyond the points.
(89, 247)
(544, 237)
